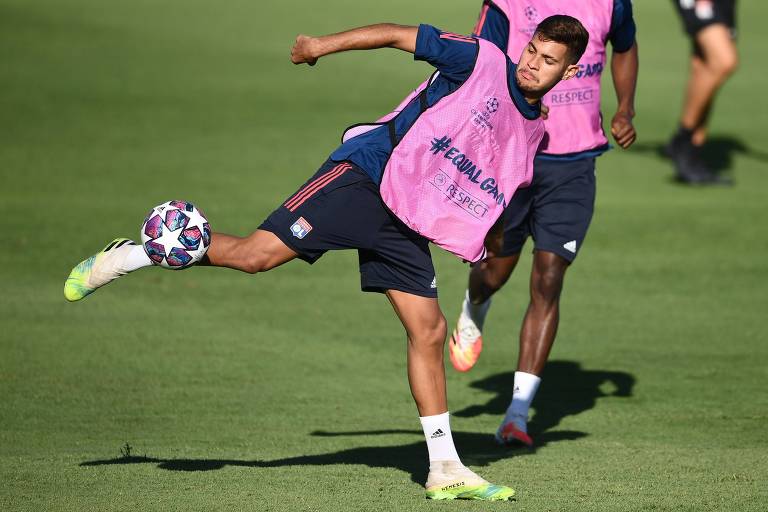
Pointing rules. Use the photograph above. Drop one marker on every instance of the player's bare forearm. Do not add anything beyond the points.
(624, 69)
(308, 49)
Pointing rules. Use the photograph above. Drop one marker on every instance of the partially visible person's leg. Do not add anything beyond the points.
(258, 252)
(537, 336)
(711, 26)
(711, 66)
(543, 315)
(485, 278)
(397, 262)
(489, 276)
(560, 219)
(425, 328)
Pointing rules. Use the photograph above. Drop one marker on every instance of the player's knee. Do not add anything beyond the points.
(496, 275)
(437, 332)
(729, 65)
(253, 265)
(546, 284)
(725, 65)
(258, 261)
(431, 334)
(495, 280)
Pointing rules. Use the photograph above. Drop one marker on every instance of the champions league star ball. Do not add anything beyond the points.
(175, 235)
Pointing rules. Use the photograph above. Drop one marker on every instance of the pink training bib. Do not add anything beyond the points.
(575, 122)
(452, 174)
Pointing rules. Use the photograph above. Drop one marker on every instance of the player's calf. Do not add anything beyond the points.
(258, 252)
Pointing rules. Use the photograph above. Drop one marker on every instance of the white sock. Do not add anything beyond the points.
(437, 430)
(525, 387)
(476, 312)
(135, 258)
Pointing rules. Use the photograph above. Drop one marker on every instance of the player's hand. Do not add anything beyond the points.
(303, 50)
(622, 129)
(544, 111)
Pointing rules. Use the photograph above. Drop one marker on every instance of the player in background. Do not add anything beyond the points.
(711, 25)
(441, 170)
(557, 208)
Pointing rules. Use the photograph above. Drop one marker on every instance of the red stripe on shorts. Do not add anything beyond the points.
(302, 191)
(310, 190)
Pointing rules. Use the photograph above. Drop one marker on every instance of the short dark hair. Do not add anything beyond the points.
(566, 30)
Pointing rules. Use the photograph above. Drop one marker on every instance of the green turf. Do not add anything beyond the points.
(287, 391)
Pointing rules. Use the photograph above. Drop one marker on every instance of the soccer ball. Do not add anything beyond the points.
(175, 235)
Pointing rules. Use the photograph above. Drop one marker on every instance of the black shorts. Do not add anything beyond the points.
(340, 208)
(555, 210)
(698, 14)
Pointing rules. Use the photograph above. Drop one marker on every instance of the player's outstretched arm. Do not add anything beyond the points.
(624, 68)
(307, 49)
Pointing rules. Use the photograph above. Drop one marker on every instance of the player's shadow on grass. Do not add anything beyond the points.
(477, 449)
(566, 390)
(718, 152)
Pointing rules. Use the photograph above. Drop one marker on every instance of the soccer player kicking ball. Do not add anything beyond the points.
(557, 208)
(442, 170)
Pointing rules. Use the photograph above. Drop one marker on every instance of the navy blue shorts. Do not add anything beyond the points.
(555, 210)
(340, 208)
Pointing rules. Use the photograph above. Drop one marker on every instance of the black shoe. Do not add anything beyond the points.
(689, 168)
(700, 177)
(690, 173)
(674, 146)
(680, 141)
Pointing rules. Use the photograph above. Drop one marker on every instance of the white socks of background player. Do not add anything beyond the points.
(475, 312)
(525, 387)
(135, 258)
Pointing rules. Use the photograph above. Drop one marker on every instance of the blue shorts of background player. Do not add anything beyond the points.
(555, 210)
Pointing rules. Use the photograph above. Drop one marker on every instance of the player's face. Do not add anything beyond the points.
(542, 65)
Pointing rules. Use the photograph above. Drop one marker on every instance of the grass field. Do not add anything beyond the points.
(213, 390)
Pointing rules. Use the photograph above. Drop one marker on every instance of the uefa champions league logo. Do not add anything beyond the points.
(482, 118)
(531, 13)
